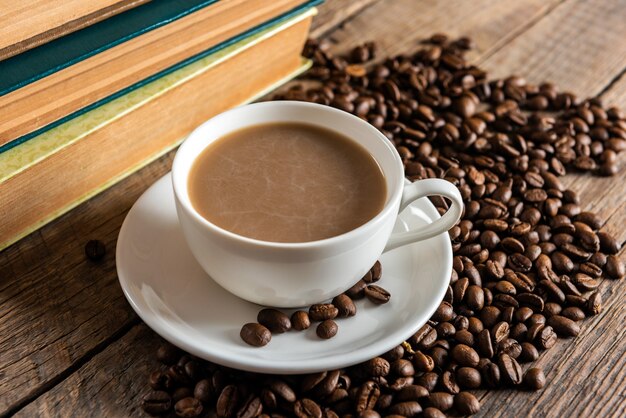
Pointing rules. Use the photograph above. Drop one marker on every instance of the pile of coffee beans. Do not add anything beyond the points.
(272, 321)
(527, 260)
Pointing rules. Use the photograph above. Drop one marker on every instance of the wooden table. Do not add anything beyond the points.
(70, 344)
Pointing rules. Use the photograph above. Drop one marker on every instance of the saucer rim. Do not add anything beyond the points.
(254, 364)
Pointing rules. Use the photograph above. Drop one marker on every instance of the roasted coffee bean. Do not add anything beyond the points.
(300, 320)
(529, 352)
(377, 366)
(377, 294)
(376, 272)
(168, 354)
(441, 400)
(468, 377)
(490, 373)
(443, 313)
(534, 378)
(323, 311)
(546, 337)
(327, 329)
(344, 305)
(203, 391)
(227, 402)
(252, 407)
(357, 291)
(306, 408)
(181, 393)
(574, 313)
(274, 320)
(402, 367)
(608, 243)
(465, 355)
(466, 403)
(423, 362)
(95, 250)
(367, 396)
(563, 326)
(412, 393)
(406, 409)
(594, 304)
(432, 412)
(156, 402)
(510, 369)
(255, 334)
(188, 408)
(615, 267)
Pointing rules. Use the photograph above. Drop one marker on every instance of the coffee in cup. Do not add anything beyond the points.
(286, 182)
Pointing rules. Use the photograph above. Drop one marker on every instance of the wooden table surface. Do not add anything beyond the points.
(70, 344)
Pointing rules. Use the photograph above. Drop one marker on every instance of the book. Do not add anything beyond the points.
(48, 20)
(49, 85)
(48, 175)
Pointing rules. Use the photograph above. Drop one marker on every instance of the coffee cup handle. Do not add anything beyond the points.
(423, 188)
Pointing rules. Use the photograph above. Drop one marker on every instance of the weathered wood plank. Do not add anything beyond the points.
(55, 306)
(110, 385)
(398, 25)
(580, 46)
(333, 12)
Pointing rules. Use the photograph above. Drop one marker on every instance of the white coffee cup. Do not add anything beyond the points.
(299, 274)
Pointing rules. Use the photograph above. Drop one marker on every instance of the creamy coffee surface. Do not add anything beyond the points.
(286, 182)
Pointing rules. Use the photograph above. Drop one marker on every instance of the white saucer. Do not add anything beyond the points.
(178, 300)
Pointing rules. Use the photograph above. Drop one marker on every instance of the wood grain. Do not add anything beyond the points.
(580, 45)
(334, 12)
(109, 385)
(586, 375)
(48, 20)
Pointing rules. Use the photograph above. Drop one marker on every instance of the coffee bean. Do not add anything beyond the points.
(563, 326)
(376, 271)
(432, 412)
(465, 355)
(443, 313)
(95, 250)
(255, 334)
(574, 313)
(168, 354)
(608, 243)
(181, 393)
(546, 337)
(323, 311)
(534, 378)
(300, 320)
(423, 362)
(367, 396)
(529, 352)
(377, 366)
(227, 402)
(594, 304)
(510, 369)
(156, 402)
(466, 403)
(344, 305)
(203, 391)
(377, 294)
(615, 267)
(251, 407)
(357, 291)
(441, 400)
(188, 408)
(327, 329)
(274, 320)
(406, 409)
(468, 377)
(491, 375)
(306, 408)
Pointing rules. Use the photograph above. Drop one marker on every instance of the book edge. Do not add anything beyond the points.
(305, 65)
(32, 143)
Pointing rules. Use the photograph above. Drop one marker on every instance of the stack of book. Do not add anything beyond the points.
(91, 91)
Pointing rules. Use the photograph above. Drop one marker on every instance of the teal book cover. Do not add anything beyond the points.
(61, 53)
